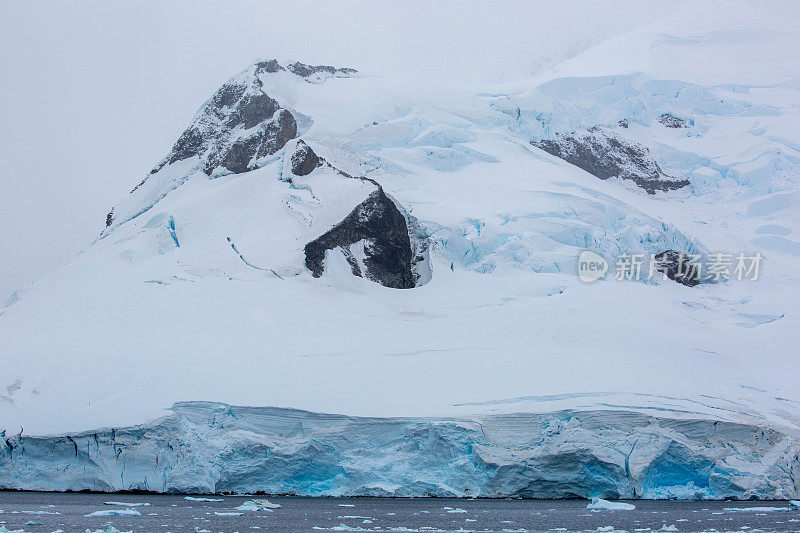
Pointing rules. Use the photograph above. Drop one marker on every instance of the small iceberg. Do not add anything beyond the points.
(599, 503)
(115, 512)
(127, 504)
(110, 529)
(258, 505)
(197, 499)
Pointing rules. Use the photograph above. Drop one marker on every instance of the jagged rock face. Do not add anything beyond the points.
(671, 121)
(381, 227)
(239, 125)
(304, 160)
(311, 73)
(603, 154)
(305, 71)
(235, 131)
(679, 267)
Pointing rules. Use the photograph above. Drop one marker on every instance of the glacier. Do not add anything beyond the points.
(323, 240)
(209, 448)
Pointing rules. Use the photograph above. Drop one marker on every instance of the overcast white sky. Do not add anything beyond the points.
(94, 93)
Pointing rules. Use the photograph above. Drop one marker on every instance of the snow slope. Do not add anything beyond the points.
(198, 289)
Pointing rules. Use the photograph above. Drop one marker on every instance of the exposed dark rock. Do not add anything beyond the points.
(110, 218)
(387, 248)
(303, 70)
(679, 267)
(271, 66)
(601, 153)
(270, 137)
(237, 126)
(304, 160)
(671, 121)
(622, 123)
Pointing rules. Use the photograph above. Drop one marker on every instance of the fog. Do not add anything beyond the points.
(94, 92)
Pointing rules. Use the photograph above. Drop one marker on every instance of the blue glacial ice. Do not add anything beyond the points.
(216, 448)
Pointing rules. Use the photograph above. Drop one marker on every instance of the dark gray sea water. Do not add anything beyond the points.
(50, 512)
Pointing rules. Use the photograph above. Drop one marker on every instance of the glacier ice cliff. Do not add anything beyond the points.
(210, 447)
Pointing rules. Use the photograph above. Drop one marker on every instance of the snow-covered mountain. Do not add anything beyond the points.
(386, 274)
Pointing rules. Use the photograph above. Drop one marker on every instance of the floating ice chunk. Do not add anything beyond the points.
(456, 510)
(757, 509)
(228, 514)
(4, 530)
(194, 499)
(599, 503)
(341, 527)
(258, 505)
(127, 504)
(115, 512)
(795, 503)
(109, 529)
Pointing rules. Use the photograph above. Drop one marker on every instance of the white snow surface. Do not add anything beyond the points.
(201, 293)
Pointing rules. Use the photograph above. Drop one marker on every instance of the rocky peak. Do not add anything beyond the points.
(374, 239)
(304, 160)
(236, 127)
(325, 71)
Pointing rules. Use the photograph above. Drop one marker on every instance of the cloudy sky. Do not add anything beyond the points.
(94, 93)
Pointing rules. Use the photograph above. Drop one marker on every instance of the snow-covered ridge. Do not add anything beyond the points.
(233, 132)
(211, 447)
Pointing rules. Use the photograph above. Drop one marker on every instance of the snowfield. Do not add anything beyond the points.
(245, 271)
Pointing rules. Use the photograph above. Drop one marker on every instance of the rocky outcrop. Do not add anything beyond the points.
(679, 267)
(210, 448)
(602, 153)
(235, 131)
(374, 239)
(319, 71)
(236, 128)
(304, 160)
(671, 121)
